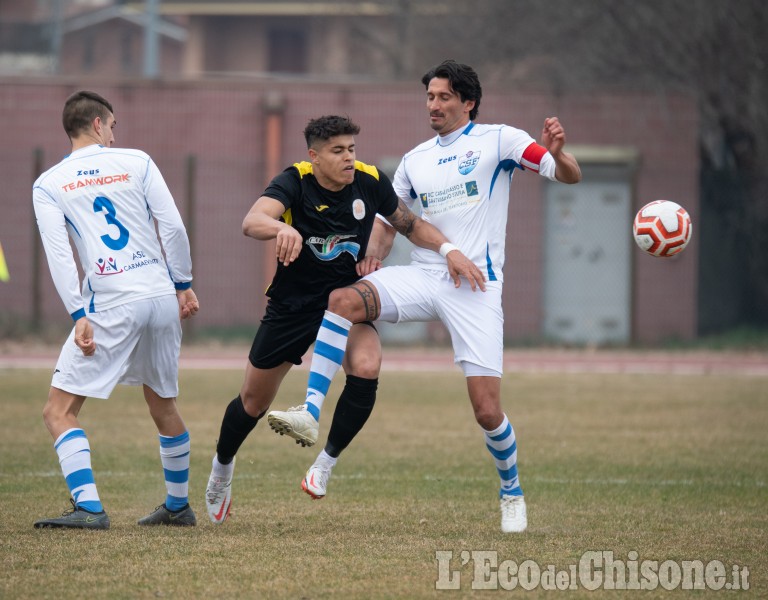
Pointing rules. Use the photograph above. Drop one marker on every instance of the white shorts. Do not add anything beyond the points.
(475, 320)
(136, 343)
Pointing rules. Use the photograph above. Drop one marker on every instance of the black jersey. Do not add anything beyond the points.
(335, 227)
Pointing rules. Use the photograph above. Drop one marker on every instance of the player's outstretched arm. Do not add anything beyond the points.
(567, 170)
(379, 245)
(428, 236)
(263, 223)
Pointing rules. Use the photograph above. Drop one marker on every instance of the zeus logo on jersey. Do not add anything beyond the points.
(87, 172)
(332, 246)
(442, 161)
(469, 161)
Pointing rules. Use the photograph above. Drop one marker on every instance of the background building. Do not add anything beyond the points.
(218, 94)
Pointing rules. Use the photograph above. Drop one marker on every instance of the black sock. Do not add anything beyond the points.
(235, 427)
(352, 411)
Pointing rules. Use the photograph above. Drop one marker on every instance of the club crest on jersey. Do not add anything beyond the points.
(424, 200)
(358, 209)
(468, 161)
(333, 246)
(107, 267)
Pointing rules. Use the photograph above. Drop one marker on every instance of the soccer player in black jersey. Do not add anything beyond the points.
(320, 212)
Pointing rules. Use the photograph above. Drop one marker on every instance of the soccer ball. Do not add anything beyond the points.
(662, 228)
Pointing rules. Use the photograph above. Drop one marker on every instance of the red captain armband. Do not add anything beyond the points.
(532, 156)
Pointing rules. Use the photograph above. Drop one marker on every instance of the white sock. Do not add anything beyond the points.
(222, 471)
(326, 460)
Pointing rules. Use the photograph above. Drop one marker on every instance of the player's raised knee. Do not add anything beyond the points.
(347, 302)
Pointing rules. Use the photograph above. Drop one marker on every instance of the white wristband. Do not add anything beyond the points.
(446, 248)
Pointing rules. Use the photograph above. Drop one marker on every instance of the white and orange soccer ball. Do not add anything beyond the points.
(662, 228)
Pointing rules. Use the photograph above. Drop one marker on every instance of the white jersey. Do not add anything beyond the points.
(462, 182)
(106, 200)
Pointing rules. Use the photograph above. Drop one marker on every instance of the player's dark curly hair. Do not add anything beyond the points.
(324, 128)
(464, 81)
(81, 108)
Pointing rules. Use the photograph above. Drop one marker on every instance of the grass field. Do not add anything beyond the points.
(670, 467)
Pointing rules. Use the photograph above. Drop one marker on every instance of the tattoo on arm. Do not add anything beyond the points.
(403, 220)
(367, 293)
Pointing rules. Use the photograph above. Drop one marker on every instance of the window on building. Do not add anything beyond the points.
(126, 51)
(89, 43)
(287, 51)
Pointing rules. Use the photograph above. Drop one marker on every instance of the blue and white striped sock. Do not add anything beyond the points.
(174, 454)
(502, 445)
(327, 357)
(75, 460)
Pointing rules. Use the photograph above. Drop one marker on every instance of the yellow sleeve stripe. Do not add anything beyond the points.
(370, 169)
(304, 168)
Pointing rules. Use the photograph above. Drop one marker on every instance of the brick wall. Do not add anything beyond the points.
(222, 125)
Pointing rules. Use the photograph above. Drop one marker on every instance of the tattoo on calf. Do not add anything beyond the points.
(370, 302)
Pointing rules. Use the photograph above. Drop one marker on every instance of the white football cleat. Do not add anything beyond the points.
(316, 481)
(296, 422)
(218, 496)
(514, 516)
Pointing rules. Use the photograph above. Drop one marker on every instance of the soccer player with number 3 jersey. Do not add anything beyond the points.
(461, 179)
(126, 311)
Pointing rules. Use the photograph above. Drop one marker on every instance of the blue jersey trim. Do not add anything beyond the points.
(71, 224)
(489, 264)
(505, 165)
(92, 306)
(146, 172)
(78, 314)
(183, 286)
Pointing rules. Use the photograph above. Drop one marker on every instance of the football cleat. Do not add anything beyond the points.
(296, 422)
(162, 516)
(514, 517)
(218, 496)
(77, 518)
(316, 481)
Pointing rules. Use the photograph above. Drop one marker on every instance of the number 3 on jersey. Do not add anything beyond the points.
(105, 204)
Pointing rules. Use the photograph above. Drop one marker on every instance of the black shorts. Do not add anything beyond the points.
(285, 336)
